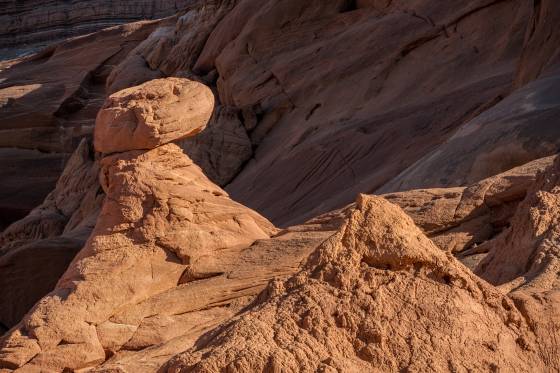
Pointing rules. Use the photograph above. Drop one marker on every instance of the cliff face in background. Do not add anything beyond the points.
(28, 24)
(212, 212)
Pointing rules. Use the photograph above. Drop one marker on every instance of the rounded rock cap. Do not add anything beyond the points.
(152, 114)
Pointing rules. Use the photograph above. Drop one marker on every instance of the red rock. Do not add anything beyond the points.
(315, 102)
(152, 114)
(378, 295)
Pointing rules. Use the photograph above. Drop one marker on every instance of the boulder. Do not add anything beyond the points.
(152, 114)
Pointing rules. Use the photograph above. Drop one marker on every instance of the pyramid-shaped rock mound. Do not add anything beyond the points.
(376, 296)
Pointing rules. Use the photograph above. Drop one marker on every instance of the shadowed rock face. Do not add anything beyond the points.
(338, 105)
(372, 97)
(35, 251)
(500, 138)
(152, 114)
(160, 219)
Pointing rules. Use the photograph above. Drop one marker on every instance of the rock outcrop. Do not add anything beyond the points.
(525, 260)
(462, 220)
(378, 295)
(294, 108)
(48, 103)
(325, 89)
(35, 251)
(160, 219)
(152, 114)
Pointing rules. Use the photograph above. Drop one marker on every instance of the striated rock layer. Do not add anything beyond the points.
(48, 103)
(30, 22)
(318, 101)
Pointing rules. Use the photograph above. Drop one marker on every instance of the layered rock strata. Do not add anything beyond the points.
(31, 22)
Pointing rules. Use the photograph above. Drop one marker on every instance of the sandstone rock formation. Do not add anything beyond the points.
(295, 107)
(159, 219)
(140, 261)
(48, 103)
(525, 260)
(35, 251)
(468, 155)
(462, 219)
(152, 114)
(378, 295)
(343, 106)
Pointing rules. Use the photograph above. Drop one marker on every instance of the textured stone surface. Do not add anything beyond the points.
(161, 224)
(315, 102)
(35, 251)
(152, 114)
(522, 127)
(378, 295)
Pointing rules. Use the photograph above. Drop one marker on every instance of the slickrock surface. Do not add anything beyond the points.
(378, 295)
(326, 88)
(154, 251)
(35, 251)
(540, 54)
(462, 219)
(525, 260)
(511, 126)
(335, 104)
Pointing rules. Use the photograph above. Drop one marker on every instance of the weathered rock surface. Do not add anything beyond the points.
(223, 148)
(161, 224)
(359, 121)
(339, 112)
(498, 139)
(540, 54)
(378, 295)
(525, 261)
(462, 219)
(315, 102)
(531, 238)
(152, 114)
